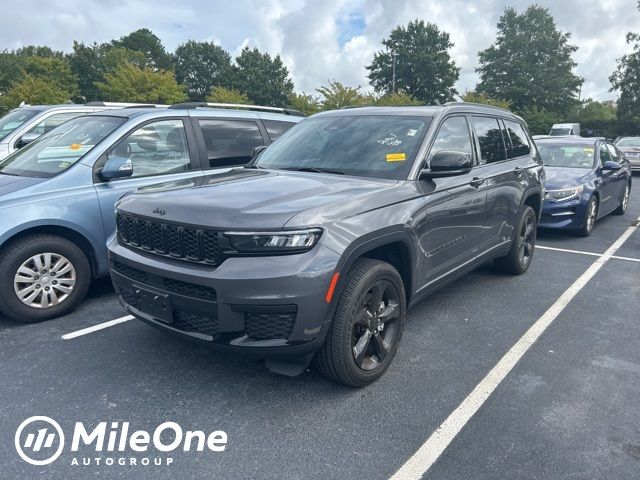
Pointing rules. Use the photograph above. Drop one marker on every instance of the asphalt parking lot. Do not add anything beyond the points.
(568, 409)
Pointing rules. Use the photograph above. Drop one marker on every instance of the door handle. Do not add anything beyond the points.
(477, 181)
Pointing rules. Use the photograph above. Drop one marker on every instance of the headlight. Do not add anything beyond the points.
(564, 194)
(274, 242)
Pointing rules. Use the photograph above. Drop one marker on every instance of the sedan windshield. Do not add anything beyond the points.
(59, 149)
(629, 142)
(382, 146)
(15, 119)
(571, 156)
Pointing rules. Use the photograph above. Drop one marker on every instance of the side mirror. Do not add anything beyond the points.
(116, 167)
(26, 139)
(257, 151)
(611, 165)
(448, 163)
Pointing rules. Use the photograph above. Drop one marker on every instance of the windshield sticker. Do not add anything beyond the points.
(396, 157)
(412, 132)
(64, 165)
(390, 140)
(75, 146)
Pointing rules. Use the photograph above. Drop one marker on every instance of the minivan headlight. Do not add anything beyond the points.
(564, 194)
(274, 242)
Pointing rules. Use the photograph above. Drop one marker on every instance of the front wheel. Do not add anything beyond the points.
(517, 261)
(624, 201)
(590, 217)
(367, 325)
(45, 276)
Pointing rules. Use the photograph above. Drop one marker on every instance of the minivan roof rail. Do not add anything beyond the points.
(238, 106)
(472, 104)
(124, 104)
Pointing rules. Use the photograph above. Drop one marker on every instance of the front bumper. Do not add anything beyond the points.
(271, 306)
(563, 215)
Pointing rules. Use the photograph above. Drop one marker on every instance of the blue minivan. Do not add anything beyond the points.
(57, 194)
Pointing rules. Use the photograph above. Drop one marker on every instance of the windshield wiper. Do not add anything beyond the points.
(313, 169)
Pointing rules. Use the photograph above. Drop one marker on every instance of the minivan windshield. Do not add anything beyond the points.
(571, 156)
(56, 151)
(381, 146)
(15, 119)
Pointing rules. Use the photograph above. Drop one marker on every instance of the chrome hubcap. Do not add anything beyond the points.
(625, 199)
(44, 280)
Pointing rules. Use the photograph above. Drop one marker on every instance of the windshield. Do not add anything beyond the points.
(629, 142)
(559, 132)
(571, 156)
(382, 146)
(15, 119)
(59, 149)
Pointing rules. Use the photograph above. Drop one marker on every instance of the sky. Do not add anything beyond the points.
(322, 40)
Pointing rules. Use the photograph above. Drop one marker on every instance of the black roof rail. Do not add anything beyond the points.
(99, 103)
(472, 104)
(237, 106)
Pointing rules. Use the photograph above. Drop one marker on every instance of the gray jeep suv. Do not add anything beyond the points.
(317, 248)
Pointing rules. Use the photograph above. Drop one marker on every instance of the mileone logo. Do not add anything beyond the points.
(39, 440)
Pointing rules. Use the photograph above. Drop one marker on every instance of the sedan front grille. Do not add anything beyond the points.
(186, 243)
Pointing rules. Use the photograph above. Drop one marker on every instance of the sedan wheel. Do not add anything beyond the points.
(624, 201)
(44, 280)
(590, 217)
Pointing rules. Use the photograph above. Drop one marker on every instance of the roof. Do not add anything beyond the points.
(569, 140)
(199, 112)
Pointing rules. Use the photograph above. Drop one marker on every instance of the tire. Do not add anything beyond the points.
(55, 294)
(352, 325)
(590, 217)
(624, 201)
(517, 261)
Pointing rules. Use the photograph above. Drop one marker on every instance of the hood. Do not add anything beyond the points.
(559, 177)
(10, 183)
(252, 199)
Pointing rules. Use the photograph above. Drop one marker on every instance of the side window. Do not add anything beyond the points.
(519, 142)
(490, 139)
(605, 156)
(275, 129)
(230, 142)
(52, 121)
(156, 148)
(613, 152)
(453, 136)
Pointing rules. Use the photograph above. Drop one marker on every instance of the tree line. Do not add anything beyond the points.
(528, 68)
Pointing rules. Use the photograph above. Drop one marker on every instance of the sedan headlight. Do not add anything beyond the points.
(274, 242)
(564, 194)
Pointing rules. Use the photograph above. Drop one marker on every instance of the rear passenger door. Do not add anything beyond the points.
(228, 142)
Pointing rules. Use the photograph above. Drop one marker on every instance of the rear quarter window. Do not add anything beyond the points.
(276, 128)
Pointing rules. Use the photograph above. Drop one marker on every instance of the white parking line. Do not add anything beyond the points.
(580, 252)
(439, 440)
(95, 328)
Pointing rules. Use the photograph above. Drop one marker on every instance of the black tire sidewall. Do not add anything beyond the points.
(585, 231)
(16, 254)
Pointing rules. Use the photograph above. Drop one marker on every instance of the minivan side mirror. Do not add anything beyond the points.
(257, 151)
(26, 139)
(446, 163)
(611, 165)
(116, 167)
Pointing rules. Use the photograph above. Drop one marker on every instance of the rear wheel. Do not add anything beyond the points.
(590, 217)
(367, 325)
(520, 254)
(45, 277)
(624, 201)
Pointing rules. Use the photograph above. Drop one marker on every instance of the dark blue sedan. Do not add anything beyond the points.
(586, 179)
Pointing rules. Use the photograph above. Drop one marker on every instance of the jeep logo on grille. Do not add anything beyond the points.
(160, 211)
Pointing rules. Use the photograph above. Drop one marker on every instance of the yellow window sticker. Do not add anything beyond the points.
(75, 146)
(396, 157)
(64, 165)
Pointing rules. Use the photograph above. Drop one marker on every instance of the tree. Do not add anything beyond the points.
(423, 67)
(593, 111)
(33, 90)
(336, 95)
(226, 95)
(201, 66)
(397, 100)
(474, 97)
(530, 63)
(626, 79)
(539, 120)
(144, 40)
(305, 103)
(129, 83)
(264, 79)
(10, 69)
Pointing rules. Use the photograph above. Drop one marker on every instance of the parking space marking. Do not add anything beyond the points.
(580, 252)
(95, 328)
(430, 451)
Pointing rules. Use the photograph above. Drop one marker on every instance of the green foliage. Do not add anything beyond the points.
(227, 95)
(475, 97)
(264, 79)
(626, 79)
(33, 90)
(10, 69)
(336, 95)
(530, 63)
(539, 120)
(130, 83)
(39, 51)
(200, 66)
(593, 111)
(423, 67)
(144, 40)
(397, 99)
(307, 104)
